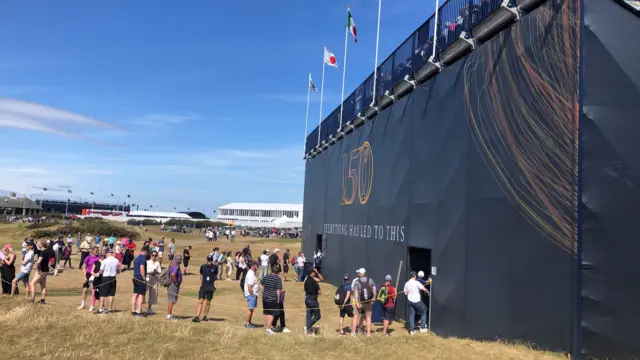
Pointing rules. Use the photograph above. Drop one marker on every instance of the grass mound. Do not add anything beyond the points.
(87, 226)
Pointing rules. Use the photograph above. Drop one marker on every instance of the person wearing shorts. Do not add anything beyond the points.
(271, 290)
(251, 288)
(139, 283)
(42, 267)
(174, 289)
(346, 309)
(25, 270)
(109, 268)
(208, 275)
(389, 303)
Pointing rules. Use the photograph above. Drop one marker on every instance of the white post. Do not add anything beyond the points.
(306, 120)
(375, 66)
(321, 95)
(435, 32)
(344, 68)
(430, 297)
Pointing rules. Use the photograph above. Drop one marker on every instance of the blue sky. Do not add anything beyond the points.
(187, 104)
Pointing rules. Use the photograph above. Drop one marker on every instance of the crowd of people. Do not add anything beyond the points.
(104, 259)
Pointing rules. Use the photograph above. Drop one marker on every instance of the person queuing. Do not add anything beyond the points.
(96, 280)
(208, 275)
(8, 269)
(364, 290)
(154, 268)
(412, 289)
(264, 264)
(221, 264)
(230, 265)
(25, 269)
(174, 288)
(387, 296)
(343, 300)
(186, 253)
(285, 264)
(85, 250)
(160, 249)
(251, 289)
(300, 260)
(139, 282)
(89, 271)
(280, 316)
(172, 249)
(66, 256)
(311, 292)
(271, 285)
(109, 269)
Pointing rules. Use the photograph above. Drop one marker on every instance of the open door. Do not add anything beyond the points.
(419, 259)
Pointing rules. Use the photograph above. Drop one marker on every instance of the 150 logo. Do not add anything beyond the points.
(357, 174)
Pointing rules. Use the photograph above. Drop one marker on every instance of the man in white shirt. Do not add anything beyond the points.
(412, 289)
(25, 269)
(109, 268)
(251, 289)
(264, 264)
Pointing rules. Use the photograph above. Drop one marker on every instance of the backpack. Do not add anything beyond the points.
(341, 294)
(165, 277)
(365, 292)
(383, 294)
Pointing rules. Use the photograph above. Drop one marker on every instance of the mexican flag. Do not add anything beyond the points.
(352, 26)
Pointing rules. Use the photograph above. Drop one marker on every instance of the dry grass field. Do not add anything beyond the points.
(58, 330)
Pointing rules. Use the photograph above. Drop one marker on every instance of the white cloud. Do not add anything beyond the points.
(163, 120)
(23, 115)
(99, 172)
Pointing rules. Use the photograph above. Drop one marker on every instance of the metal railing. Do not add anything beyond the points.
(455, 18)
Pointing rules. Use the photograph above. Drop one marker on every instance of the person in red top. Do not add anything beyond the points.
(389, 303)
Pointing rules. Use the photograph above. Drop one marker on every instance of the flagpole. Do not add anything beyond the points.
(306, 120)
(344, 67)
(375, 66)
(435, 32)
(321, 95)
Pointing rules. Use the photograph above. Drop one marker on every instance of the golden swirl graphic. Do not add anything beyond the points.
(357, 174)
(521, 94)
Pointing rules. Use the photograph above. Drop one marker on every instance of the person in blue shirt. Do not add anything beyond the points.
(98, 238)
(139, 282)
(346, 309)
(112, 240)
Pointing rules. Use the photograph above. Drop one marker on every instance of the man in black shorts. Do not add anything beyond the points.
(271, 290)
(208, 275)
(346, 309)
(109, 268)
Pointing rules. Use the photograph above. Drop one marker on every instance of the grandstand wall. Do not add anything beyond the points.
(477, 172)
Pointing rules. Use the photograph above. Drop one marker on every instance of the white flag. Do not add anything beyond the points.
(330, 58)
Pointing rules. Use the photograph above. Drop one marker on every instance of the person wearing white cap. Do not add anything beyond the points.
(364, 291)
(412, 289)
(387, 297)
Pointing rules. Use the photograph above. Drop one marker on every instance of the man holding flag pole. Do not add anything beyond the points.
(351, 28)
(328, 59)
(310, 86)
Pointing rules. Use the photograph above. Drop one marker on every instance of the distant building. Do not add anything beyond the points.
(18, 206)
(262, 214)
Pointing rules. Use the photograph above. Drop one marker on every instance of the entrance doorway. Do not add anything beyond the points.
(419, 259)
(321, 244)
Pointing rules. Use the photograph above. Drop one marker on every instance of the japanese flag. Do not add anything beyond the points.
(330, 58)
